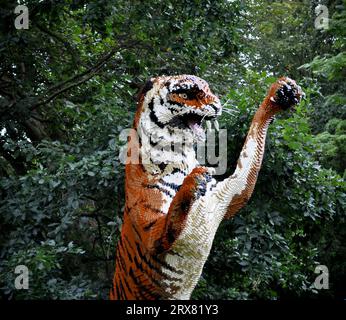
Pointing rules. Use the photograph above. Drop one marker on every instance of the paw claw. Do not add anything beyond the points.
(211, 171)
(287, 93)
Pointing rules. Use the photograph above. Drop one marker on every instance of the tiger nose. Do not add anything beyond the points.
(215, 105)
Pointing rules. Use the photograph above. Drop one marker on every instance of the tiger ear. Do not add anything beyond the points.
(147, 86)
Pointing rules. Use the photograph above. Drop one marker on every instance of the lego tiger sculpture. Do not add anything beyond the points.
(173, 205)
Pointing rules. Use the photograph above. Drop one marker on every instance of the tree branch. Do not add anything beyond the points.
(74, 81)
(16, 163)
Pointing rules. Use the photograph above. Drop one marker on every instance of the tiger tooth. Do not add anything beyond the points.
(208, 123)
(216, 125)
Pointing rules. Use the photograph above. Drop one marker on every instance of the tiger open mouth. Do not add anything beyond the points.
(194, 121)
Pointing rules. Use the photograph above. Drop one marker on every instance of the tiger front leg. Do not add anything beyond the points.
(233, 193)
(194, 187)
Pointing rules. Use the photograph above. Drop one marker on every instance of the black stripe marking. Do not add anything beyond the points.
(138, 264)
(126, 284)
(166, 265)
(128, 242)
(176, 103)
(153, 116)
(137, 233)
(117, 290)
(176, 170)
(152, 143)
(171, 185)
(121, 261)
(174, 253)
(152, 266)
(149, 225)
(125, 250)
(145, 291)
(151, 278)
(122, 290)
(119, 286)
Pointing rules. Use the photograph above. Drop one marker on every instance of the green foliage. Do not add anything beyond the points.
(332, 66)
(331, 144)
(331, 70)
(331, 125)
(46, 279)
(281, 43)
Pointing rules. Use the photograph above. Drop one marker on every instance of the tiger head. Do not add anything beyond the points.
(177, 103)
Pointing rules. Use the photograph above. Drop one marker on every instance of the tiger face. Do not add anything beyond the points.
(178, 103)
